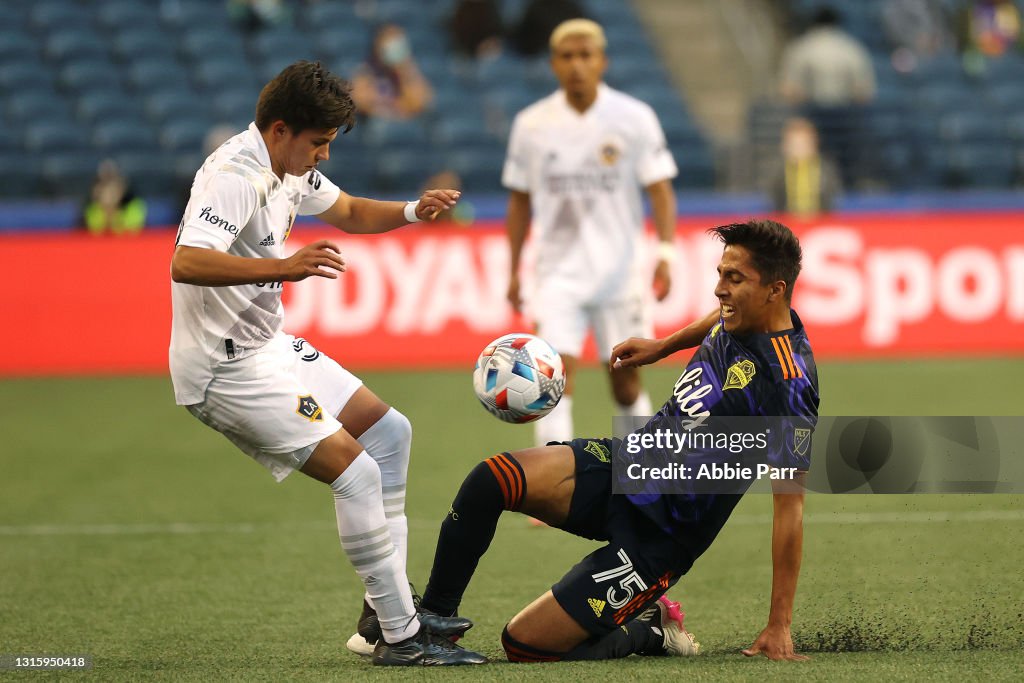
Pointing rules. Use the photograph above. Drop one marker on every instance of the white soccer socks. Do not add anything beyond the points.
(556, 425)
(388, 442)
(366, 540)
(641, 406)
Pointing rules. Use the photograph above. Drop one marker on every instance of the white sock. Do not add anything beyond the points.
(388, 442)
(366, 540)
(556, 425)
(641, 406)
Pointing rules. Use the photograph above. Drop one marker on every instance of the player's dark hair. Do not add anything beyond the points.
(773, 247)
(306, 96)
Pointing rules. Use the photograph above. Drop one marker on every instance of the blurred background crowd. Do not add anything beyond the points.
(117, 102)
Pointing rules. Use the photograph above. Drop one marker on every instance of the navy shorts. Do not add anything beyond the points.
(618, 581)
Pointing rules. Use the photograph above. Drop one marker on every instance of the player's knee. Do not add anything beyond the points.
(498, 482)
(360, 478)
(518, 651)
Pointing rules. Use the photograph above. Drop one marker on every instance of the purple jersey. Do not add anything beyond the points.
(761, 375)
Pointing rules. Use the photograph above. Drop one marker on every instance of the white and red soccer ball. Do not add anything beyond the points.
(519, 378)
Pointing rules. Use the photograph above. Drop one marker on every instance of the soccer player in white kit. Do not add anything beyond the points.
(276, 397)
(576, 162)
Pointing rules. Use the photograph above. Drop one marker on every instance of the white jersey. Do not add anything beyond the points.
(239, 206)
(584, 173)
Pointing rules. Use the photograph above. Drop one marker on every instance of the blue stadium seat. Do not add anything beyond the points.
(171, 105)
(281, 44)
(938, 97)
(1006, 97)
(52, 14)
(385, 133)
(16, 75)
(184, 134)
(14, 46)
(10, 140)
(88, 75)
(696, 167)
(40, 105)
(453, 131)
(201, 42)
(119, 135)
(99, 105)
(24, 184)
(272, 66)
(150, 174)
(74, 42)
(323, 16)
(214, 74)
(148, 76)
(131, 44)
(1015, 129)
(187, 14)
(988, 166)
(48, 137)
(399, 170)
(966, 127)
(1007, 69)
(681, 130)
(480, 170)
(69, 174)
(115, 15)
(342, 43)
(233, 105)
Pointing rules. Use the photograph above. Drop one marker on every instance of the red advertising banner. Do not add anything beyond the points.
(871, 286)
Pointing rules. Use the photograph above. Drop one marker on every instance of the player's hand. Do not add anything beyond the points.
(775, 642)
(513, 295)
(635, 352)
(320, 258)
(433, 202)
(662, 280)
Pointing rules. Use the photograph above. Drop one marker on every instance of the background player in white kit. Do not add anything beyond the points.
(576, 162)
(276, 397)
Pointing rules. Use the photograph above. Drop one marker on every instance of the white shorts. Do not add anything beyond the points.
(563, 322)
(277, 404)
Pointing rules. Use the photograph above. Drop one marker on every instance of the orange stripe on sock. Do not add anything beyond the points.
(507, 477)
(517, 480)
(521, 655)
(497, 472)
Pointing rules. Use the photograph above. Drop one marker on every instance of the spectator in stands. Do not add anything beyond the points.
(988, 29)
(829, 75)
(804, 183)
(827, 66)
(916, 30)
(112, 206)
(389, 85)
(253, 15)
(476, 29)
(530, 37)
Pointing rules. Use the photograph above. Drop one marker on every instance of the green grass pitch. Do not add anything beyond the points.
(132, 533)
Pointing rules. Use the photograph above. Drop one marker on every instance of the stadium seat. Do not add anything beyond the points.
(184, 134)
(189, 13)
(99, 105)
(342, 43)
(940, 96)
(1007, 69)
(233, 105)
(26, 183)
(966, 127)
(132, 44)
(16, 75)
(70, 174)
(149, 76)
(171, 105)
(979, 165)
(323, 16)
(399, 170)
(87, 75)
(453, 131)
(150, 175)
(696, 167)
(38, 106)
(48, 137)
(272, 66)
(17, 46)
(280, 44)
(73, 43)
(10, 141)
(385, 133)
(480, 170)
(118, 135)
(214, 74)
(116, 15)
(53, 14)
(202, 42)
(1007, 98)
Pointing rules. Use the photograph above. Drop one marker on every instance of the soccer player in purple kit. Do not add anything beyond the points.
(753, 360)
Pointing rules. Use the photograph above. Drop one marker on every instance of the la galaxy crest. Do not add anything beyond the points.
(610, 153)
(310, 409)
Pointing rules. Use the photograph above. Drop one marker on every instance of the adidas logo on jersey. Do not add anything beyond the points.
(268, 241)
(596, 605)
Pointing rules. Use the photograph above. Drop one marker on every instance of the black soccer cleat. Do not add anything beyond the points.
(450, 627)
(424, 649)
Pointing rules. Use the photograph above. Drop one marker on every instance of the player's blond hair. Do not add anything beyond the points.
(578, 27)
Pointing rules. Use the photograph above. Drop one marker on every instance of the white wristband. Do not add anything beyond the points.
(667, 252)
(410, 211)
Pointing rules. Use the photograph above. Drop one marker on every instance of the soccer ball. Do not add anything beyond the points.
(519, 378)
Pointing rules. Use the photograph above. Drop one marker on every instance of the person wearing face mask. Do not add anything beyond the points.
(804, 183)
(389, 85)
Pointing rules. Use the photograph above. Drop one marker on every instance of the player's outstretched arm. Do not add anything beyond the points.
(362, 216)
(212, 268)
(663, 213)
(776, 640)
(635, 352)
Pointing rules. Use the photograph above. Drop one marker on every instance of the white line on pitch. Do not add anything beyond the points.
(184, 528)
